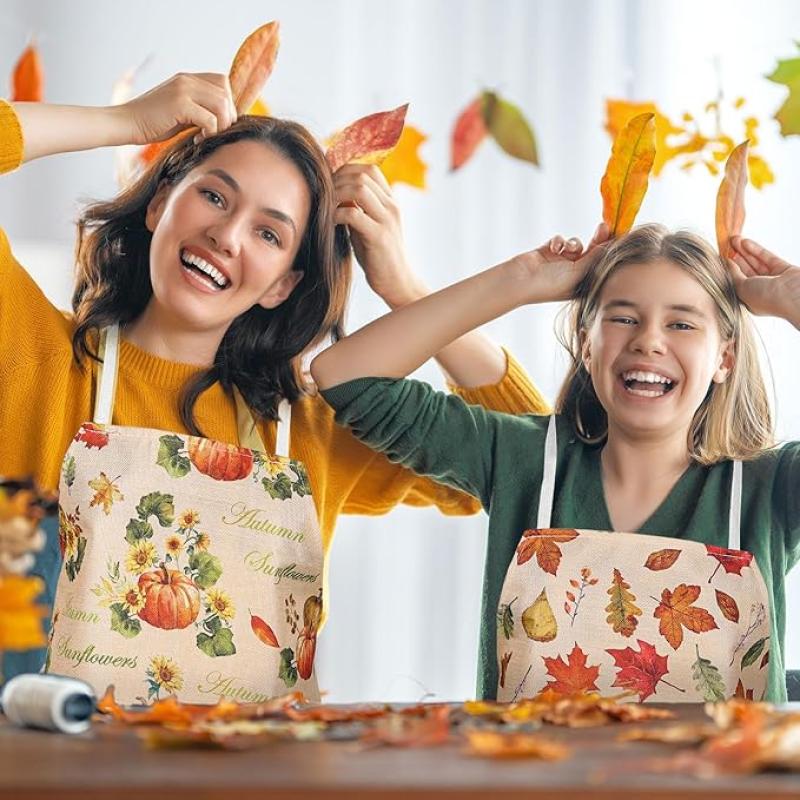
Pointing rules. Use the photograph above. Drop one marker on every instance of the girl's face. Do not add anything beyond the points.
(225, 237)
(654, 349)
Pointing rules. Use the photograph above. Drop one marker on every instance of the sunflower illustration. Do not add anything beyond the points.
(219, 602)
(165, 674)
(189, 518)
(132, 598)
(141, 556)
(203, 541)
(174, 545)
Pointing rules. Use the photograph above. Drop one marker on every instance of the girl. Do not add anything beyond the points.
(663, 402)
(198, 290)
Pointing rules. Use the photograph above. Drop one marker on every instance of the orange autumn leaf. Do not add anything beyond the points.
(624, 183)
(27, 80)
(368, 140)
(728, 607)
(428, 729)
(403, 164)
(730, 199)
(106, 493)
(662, 559)
(259, 108)
(469, 131)
(543, 543)
(494, 744)
(676, 612)
(263, 631)
(571, 676)
(20, 616)
(252, 65)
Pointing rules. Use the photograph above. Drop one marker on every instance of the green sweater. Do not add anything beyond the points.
(499, 459)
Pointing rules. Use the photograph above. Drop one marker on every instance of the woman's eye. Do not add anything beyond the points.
(682, 326)
(624, 320)
(269, 237)
(212, 197)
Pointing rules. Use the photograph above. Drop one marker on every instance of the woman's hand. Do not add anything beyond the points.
(368, 208)
(765, 283)
(201, 100)
(558, 265)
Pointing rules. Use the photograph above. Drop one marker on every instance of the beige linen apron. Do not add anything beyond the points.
(191, 567)
(668, 620)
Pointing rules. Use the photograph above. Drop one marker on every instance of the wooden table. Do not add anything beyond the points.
(112, 764)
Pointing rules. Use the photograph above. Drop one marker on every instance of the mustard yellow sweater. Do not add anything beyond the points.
(45, 396)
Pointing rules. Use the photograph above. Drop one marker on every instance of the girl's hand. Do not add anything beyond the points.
(368, 208)
(558, 265)
(765, 283)
(203, 100)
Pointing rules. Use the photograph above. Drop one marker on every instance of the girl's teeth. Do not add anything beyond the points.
(217, 278)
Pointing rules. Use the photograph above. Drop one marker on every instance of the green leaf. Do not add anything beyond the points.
(158, 504)
(123, 623)
(169, 456)
(287, 671)
(753, 653)
(280, 488)
(788, 73)
(509, 128)
(136, 530)
(68, 471)
(73, 566)
(505, 618)
(220, 644)
(207, 569)
(213, 624)
(302, 486)
(707, 679)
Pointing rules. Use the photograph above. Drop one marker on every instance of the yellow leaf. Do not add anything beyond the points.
(20, 617)
(750, 130)
(259, 108)
(539, 621)
(712, 168)
(403, 164)
(624, 183)
(760, 172)
(730, 199)
(620, 112)
(106, 493)
(739, 102)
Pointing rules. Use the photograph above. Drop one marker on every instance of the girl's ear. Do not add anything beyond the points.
(281, 289)
(727, 360)
(155, 208)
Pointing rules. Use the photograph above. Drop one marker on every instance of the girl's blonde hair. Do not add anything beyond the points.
(734, 420)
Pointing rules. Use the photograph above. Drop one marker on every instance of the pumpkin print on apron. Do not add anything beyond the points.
(191, 567)
(661, 619)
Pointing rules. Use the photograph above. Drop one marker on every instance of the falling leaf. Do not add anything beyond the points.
(753, 653)
(20, 616)
(252, 65)
(92, 435)
(27, 80)
(760, 172)
(662, 559)
(676, 612)
(509, 128)
(469, 131)
(106, 493)
(787, 73)
(494, 744)
(368, 140)
(624, 183)
(543, 543)
(403, 164)
(730, 200)
(727, 605)
(732, 561)
(263, 631)
(539, 621)
(622, 611)
(640, 671)
(571, 676)
(707, 678)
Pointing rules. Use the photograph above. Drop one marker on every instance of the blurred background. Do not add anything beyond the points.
(406, 587)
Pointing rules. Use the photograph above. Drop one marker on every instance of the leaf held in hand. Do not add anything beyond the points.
(624, 183)
(509, 128)
(730, 200)
(368, 140)
(252, 65)
(27, 80)
(469, 131)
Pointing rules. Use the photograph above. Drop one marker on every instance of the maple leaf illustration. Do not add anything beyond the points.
(676, 612)
(543, 543)
(732, 561)
(571, 676)
(640, 672)
(106, 492)
(92, 436)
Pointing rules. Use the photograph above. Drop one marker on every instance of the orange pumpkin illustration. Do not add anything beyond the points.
(223, 462)
(172, 599)
(306, 647)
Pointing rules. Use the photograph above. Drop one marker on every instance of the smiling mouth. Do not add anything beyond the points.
(646, 384)
(206, 272)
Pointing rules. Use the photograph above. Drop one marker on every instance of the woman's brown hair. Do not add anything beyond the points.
(261, 350)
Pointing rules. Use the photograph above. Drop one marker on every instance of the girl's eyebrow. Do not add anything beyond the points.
(270, 212)
(687, 309)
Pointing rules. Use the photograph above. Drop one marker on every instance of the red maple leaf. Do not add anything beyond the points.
(92, 435)
(639, 672)
(542, 542)
(676, 612)
(732, 561)
(571, 676)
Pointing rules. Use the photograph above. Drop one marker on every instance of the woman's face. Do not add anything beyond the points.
(226, 236)
(654, 348)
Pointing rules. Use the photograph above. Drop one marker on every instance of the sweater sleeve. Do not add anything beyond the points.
(432, 433)
(786, 499)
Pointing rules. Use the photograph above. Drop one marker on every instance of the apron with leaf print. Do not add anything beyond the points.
(191, 567)
(666, 620)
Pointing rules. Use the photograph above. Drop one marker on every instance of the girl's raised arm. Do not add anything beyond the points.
(202, 100)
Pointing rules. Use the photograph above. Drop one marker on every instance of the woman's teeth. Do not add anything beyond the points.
(214, 276)
(646, 384)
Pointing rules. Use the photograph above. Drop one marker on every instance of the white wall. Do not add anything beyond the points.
(406, 588)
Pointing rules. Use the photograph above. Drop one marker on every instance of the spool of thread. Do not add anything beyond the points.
(50, 702)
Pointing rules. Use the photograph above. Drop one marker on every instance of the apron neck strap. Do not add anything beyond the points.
(735, 513)
(108, 351)
(547, 492)
(248, 430)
